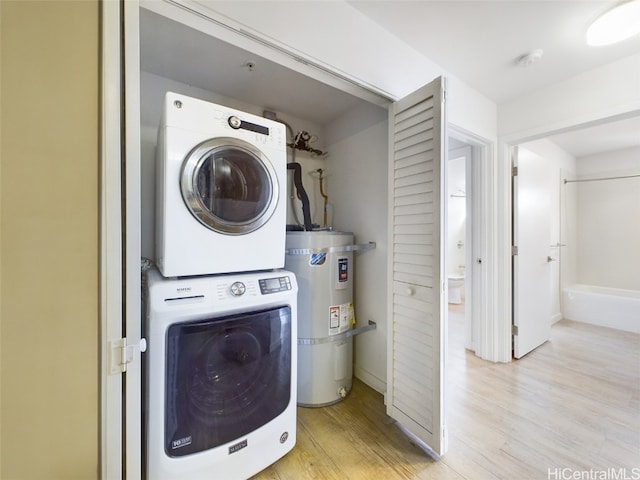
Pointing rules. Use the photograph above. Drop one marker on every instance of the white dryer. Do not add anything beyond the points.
(220, 191)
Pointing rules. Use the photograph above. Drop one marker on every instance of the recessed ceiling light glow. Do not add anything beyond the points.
(615, 25)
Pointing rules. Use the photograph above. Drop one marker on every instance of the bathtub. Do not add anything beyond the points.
(607, 307)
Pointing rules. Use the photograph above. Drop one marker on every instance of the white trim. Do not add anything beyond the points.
(110, 243)
(367, 377)
(503, 301)
(133, 398)
(483, 276)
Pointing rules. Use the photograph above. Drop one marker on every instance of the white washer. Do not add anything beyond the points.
(220, 190)
(220, 374)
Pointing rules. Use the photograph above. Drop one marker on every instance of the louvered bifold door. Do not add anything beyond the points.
(415, 341)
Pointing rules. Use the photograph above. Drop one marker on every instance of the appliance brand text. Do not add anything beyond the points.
(237, 446)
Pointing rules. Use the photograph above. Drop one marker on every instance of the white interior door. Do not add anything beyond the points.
(531, 264)
(417, 307)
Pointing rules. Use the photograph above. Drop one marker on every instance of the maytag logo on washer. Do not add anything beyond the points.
(183, 289)
(237, 446)
(284, 437)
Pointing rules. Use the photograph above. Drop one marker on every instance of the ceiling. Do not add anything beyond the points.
(477, 41)
(480, 41)
(173, 50)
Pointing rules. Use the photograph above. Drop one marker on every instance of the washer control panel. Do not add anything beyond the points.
(274, 285)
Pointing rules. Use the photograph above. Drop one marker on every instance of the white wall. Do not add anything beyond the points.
(560, 165)
(357, 188)
(609, 220)
(611, 90)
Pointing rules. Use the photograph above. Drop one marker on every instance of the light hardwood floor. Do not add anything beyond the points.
(571, 406)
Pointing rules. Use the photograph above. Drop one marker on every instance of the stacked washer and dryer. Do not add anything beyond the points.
(221, 315)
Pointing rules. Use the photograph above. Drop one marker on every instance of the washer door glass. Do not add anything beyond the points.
(229, 186)
(225, 378)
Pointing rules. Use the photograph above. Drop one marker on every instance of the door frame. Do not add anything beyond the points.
(120, 326)
(478, 256)
(111, 319)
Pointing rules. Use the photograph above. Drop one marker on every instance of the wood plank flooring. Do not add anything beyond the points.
(572, 405)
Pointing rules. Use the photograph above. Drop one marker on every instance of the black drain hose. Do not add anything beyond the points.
(302, 193)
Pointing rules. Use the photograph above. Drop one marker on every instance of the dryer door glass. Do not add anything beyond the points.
(229, 186)
(225, 378)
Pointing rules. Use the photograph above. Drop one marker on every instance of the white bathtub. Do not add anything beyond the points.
(607, 307)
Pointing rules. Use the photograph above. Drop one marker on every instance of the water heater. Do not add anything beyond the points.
(323, 264)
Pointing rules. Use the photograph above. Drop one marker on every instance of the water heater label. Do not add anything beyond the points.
(343, 270)
(340, 318)
(317, 259)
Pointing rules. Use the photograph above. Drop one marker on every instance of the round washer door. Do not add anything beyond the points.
(229, 185)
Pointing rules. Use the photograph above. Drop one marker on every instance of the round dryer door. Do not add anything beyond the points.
(229, 186)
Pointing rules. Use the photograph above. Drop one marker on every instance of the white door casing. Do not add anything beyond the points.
(531, 264)
(111, 405)
(121, 384)
(133, 376)
(417, 304)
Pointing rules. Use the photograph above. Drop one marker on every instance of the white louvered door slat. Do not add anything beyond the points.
(415, 380)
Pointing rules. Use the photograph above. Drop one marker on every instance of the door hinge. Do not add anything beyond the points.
(514, 171)
(120, 355)
(514, 330)
(514, 250)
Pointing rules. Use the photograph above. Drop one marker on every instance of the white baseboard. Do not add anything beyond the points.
(374, 382)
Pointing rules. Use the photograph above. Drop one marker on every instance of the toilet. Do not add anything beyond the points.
(455, 284)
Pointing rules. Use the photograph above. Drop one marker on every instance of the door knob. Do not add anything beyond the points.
(550, 259)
